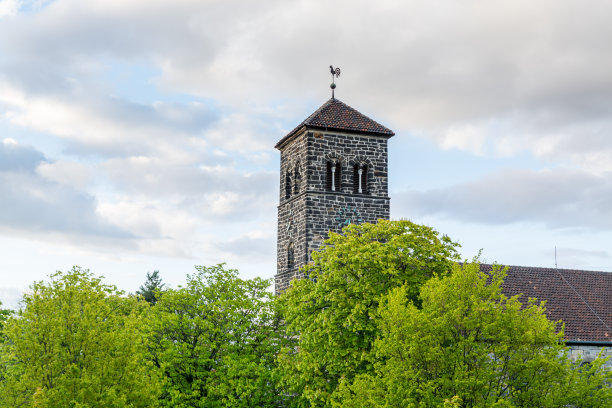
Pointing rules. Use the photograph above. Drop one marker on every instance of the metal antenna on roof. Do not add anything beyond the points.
(335, 73)
(555, 257)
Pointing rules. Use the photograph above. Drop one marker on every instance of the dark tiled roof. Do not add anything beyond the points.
(338, 116)
(581, 299)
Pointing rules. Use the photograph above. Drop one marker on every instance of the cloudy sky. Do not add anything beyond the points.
(138, 134)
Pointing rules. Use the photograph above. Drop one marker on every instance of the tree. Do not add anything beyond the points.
(4, 316)
(331, 314)
(215, 340)
(5, 366)
(152, 288)
(471, 344)
(77, 342)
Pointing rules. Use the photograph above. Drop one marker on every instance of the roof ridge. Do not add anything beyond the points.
(550, 268)
(313, 114)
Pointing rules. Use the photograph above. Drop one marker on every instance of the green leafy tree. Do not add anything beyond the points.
(4, 316)
(471, 346)
(215, 340)
(77, 342)
(5, 366)
(331, 314)
(152, 289)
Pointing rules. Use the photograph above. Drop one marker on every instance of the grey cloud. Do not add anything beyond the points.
(156, 177)
(32, 204)
(14, 157)
(247, 247)
(581, 258)
(579, 253)
(144, 128)
(453, 63)
(559, 198)
(111, 126)
(182, 117)
(537, 69)
(217, 193)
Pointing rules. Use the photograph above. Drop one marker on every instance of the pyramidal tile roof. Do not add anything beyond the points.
(581, 299)
(335, 115)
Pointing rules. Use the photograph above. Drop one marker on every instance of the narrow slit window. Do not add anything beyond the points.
(297, 179)
(363, 177)
(290, 256)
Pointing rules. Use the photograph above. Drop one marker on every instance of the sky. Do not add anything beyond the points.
(137, 135)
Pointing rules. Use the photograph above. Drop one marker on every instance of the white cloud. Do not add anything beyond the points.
(466, 137)
(179, 152)
(8, 8)
(107, 125)
(76, 175)
(457, 74)
(10, 297)
(160, 229)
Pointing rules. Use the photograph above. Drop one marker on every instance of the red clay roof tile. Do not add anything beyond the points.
(581, 299)
(338, 116)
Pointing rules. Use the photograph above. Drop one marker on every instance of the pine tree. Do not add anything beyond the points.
(152, 288)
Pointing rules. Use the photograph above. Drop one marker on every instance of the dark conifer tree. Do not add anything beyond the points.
(152, 288)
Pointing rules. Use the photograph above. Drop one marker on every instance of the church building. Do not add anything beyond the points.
(334, 172)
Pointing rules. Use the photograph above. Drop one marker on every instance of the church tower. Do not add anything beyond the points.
(333, 172)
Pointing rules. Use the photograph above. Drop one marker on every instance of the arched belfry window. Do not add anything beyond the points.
(360, 178)
(288, 185)
(332, 181)
(290, 256)
(297, 179)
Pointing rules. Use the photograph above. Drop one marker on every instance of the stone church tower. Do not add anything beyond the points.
(334, 172)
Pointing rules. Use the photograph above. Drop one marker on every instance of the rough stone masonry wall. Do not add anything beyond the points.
(349, 149)
(291, 230)
(325, 210)
(305, 219)
(329, 211)
(588, 353)
(291, 211)
(292, 155)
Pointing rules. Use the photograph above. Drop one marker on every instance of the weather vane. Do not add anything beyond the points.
(335, 74)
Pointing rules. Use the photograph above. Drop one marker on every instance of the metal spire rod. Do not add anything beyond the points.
(335, 74)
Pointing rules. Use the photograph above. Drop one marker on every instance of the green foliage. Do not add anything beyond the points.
(152, 289)
(5, 375)
(4, 316)
(216, 341)
(332, 314)
(471, 346)
(76, 343)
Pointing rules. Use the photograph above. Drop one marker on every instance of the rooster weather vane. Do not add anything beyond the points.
(335, 74)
